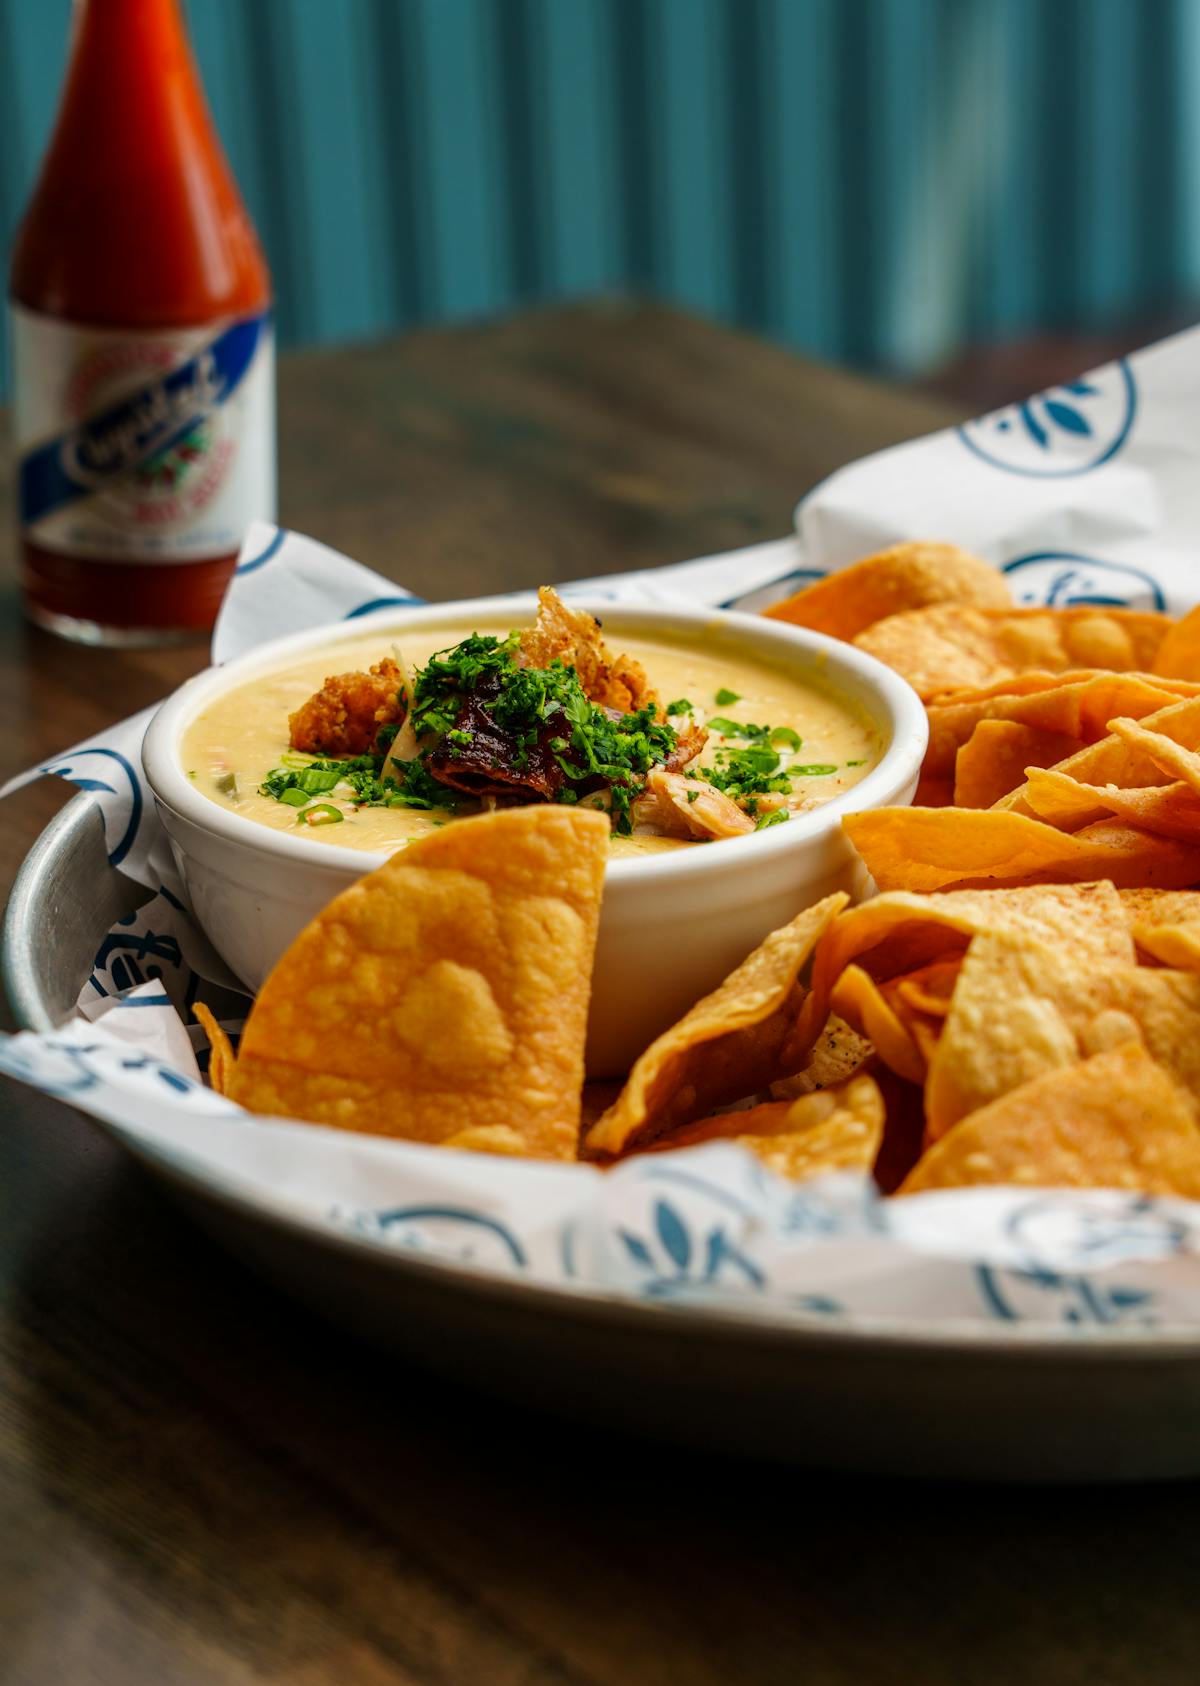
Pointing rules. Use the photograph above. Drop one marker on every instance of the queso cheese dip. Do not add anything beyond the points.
(821, 744)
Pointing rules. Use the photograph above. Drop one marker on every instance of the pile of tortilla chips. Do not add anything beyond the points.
(1020, 1003)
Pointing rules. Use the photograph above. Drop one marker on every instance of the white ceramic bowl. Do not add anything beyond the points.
(673, 924)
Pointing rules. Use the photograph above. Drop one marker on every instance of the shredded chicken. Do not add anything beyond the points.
(573, 636)
(343, 718)
(680, 807)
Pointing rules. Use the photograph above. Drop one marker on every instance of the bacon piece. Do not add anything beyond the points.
(493, 763)
(679, 807)
(343, 718)
(573, 636)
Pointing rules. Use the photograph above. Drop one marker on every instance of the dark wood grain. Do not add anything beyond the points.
(201, 1483)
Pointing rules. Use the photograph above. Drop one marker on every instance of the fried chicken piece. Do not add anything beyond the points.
(573, 636)
(679, 807)
(343, 718)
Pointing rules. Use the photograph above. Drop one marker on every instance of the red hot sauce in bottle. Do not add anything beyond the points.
(143, 362)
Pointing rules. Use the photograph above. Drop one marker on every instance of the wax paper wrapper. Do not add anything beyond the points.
(1088, 493)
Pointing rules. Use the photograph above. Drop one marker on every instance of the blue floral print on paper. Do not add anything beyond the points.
(1070, 429)
(671, 1257)
(1062, 578)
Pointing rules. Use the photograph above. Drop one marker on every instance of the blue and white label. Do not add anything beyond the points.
(144, 447)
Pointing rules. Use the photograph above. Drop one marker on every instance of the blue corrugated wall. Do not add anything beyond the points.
(877, 181)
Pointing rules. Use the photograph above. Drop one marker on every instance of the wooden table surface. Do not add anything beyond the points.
(199, 1482)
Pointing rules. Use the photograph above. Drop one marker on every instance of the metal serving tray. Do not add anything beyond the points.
(897, 1397)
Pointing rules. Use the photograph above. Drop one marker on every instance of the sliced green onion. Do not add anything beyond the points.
(321, 813)
(818, 770)
(227, 784)
(723, 697)
(856, 763)
(784, 738)
(294, 798)
(777, 816)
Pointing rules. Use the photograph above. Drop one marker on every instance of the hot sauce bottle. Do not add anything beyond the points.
(143, 362)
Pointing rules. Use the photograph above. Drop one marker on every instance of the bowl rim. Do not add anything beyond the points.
(894, 707)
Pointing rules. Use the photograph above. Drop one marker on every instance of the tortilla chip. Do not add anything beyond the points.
(1169, 810)
(1114, 760)
(1079, 706)
(937, 848)
(1179, 653)
(860, 1001)
(1177, 946)
(995, 757)
(1172, 757)
(734, 1042)
(837, 1129)
(1022, 1008)
(908, 576)
(1117, 1120)
(220, 1059)
(895, 934)
(952, 646)
(837, 1054)
(929, 989)
(1160, 907)
(450, 985)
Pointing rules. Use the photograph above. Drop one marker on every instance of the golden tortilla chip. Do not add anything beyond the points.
(1117, 1120)
(1114, 760)
(1078, 707)
(448, 987)
(734, 1042)
(1177, 946)
(832, 1130)
(894, 934)
(1160, 907)
(995, 757)
(908, 576)
(1179, 653)
(929, 989)
(951, 646)
(220, 1059)
(1173, 758)
(1023, 1008)
(837, 1054)
(1169, 810)
(938, 848)
(858, 999)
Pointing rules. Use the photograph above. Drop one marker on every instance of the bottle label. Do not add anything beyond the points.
(143, 447)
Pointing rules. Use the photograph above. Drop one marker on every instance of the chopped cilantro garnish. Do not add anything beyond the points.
(734, 729)
(748, 772)
(723, 697)
(680, 706)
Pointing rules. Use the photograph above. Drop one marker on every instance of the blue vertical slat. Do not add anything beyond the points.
(800, 221)
(1107, 183)
(329, 143)
(525, 207)
(1012, 268)
(1184, 77)
(696, 258)
(746, 29)
(639, 133)
(581, 146)
(1161, 160)
(461, 110)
